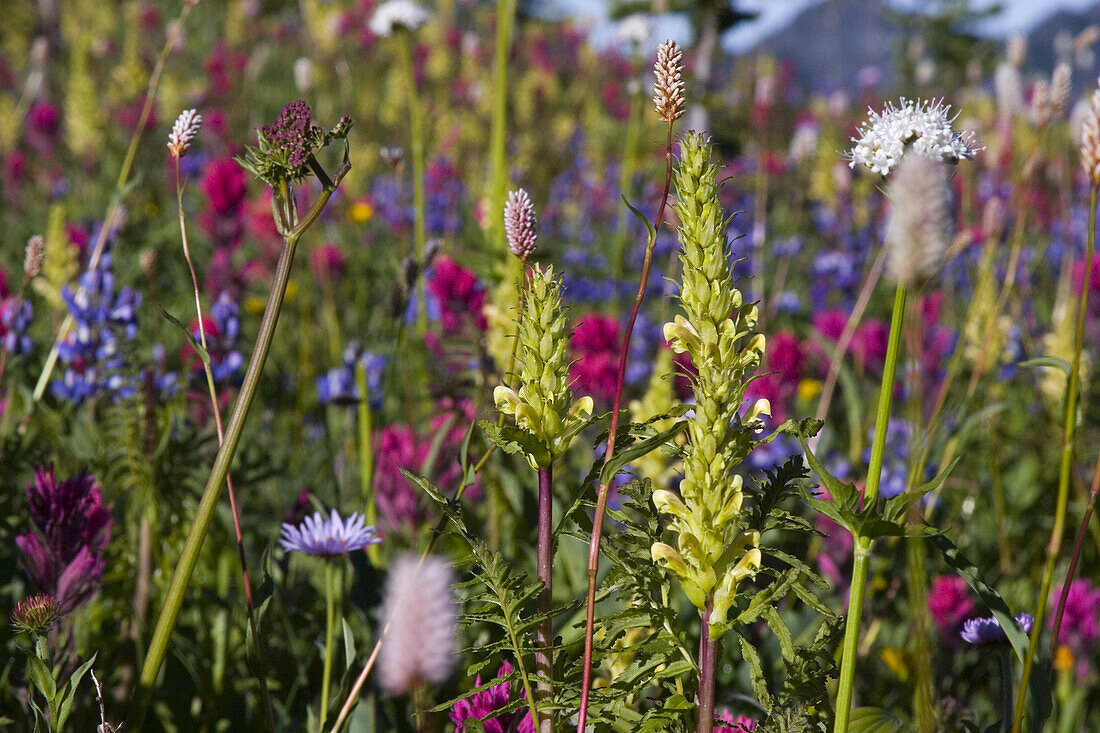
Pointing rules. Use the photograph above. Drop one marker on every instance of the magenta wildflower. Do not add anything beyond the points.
(482, 705)
(741, 724)
(1080, 625)
(950, 605)
(333, 536)
(65, 556)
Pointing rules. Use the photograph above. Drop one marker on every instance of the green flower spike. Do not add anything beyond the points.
(714, 551)
(544, 406)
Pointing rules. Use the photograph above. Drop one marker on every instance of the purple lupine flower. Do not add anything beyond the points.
(65, 556)
(987, 630)
(482, 705)
(15, 318)
(328, 537)
(93, 352)
(340, 387)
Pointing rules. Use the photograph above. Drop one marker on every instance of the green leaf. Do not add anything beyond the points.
(872, 720)
(513, 440)
(42, 677)
(66, 706)
(650, 231)
(188, 335)
(1040, 678)
(637, 450)
(844, 495)
(349, 645)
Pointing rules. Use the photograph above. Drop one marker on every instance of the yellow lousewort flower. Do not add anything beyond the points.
(714, 550)
(543, 406)
(659, 399)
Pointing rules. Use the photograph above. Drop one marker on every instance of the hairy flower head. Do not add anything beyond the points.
(184, 131)
(419, 615)
(395, 14)
(1090, 140)
(920, 219)
(35, 614)
(668, 83)
(520, 224)
(923, 127)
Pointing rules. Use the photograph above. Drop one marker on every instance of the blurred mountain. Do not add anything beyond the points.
(840, 44)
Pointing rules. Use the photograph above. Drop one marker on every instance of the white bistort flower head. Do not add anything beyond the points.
(394, 14)
(922, 127)
(633, 30)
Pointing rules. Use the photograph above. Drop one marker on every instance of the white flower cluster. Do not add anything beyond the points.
(394, 14)
(923, 127)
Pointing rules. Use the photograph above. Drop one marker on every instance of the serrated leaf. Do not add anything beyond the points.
(637, 450)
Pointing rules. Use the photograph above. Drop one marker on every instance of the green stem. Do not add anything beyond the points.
(416, 143)
(862, 546)
(498, 165)
(330, 626)
(208, 504)
(862, 551)
(1070, 431)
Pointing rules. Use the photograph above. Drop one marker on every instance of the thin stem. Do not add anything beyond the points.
(498, 172)
(862, 547)
(1070, 431)
(1078, 546)
(544, 664)
(359, 682)
(330, 628)
(708, 655)
(173, 601)
(113, 207)
(261, 660)
(1006, 685)
(416, 143)
(601, 494)
(862, 551)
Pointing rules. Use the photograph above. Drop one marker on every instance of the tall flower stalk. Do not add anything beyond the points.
(548, 418)
(286, 155)
(183, 133)
(668, 99)
(715, 551)
(1090, 158)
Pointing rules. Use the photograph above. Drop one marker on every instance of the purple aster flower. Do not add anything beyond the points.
(65, 557)
(987, 630)
(333, 536)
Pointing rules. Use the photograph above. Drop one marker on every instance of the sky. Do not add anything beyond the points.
(1018, 16)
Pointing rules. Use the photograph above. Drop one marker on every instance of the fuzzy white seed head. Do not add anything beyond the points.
(520, 224)
(394, 14)
(419, 615)
(668, 85)
(1008, 89)
(1090, 140)
(633, 30)
(1060, 84)
(921, 127)
(918, 231)
(184, 131)
(36, 253)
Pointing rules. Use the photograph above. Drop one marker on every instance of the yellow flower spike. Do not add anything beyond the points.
(669, 503)
(665, 556)
(682, 336)
(582, 408)
(506, 400)
(747, 566)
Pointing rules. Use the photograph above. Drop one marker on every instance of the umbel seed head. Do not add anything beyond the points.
(520, 224)
(668, 85)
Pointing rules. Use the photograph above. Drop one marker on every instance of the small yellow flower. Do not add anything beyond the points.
(809, 389)
(1063, 658)
(895, 660)
(361, 211)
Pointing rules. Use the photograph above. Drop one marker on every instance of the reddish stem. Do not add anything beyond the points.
(601, 498)
(1078, 546)
(708, 654)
